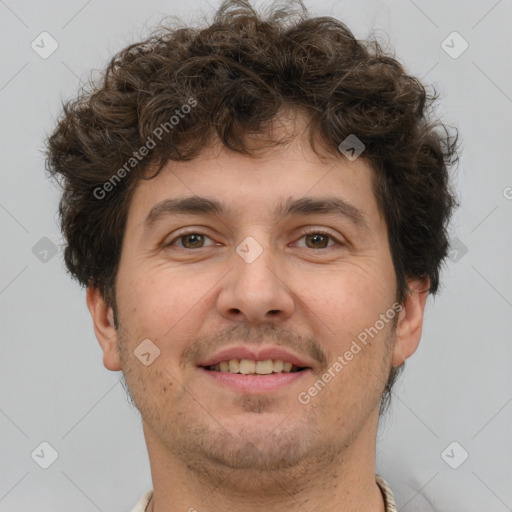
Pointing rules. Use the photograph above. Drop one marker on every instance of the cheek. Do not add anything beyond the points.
(344, 308)
(161, 306)
(141, 307)
(345, 301)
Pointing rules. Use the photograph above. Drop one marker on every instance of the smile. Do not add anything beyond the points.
(248, 366)
(254, 377)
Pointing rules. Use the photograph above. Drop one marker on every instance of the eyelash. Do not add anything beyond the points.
(302, 235)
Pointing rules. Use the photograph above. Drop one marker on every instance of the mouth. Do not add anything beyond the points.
(252, 367)
(250, 376)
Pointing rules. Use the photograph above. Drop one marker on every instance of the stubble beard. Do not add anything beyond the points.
(263, 459)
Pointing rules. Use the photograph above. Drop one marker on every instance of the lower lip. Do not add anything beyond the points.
(255, 383)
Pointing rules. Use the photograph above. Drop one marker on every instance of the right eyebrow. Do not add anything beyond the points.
(193, 205)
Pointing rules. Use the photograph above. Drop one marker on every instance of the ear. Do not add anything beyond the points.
(103, 320)
(410, 321)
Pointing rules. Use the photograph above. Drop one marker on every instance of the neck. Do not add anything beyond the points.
(344, 481)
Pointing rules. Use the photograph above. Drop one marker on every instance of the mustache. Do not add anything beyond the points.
(266, 334)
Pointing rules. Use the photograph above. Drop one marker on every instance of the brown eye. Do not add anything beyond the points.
(190, 240)
(194, 239)
(318, 240)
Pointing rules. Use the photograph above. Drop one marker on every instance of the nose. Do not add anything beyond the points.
(256, 290)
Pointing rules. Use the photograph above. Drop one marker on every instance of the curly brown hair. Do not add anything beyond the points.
(241, 72)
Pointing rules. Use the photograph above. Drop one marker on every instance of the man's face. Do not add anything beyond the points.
(248, 277)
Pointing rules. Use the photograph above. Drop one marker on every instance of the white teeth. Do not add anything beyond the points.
(278, 366)
(248, 366)
(265, 367)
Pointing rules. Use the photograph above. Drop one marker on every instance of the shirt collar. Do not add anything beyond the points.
(383, 485)
(386, 492)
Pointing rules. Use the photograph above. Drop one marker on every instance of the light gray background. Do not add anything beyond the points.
(54, 388)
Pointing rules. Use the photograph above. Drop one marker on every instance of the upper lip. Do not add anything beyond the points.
(243, 352)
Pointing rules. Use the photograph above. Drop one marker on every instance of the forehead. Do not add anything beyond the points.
(284, 180)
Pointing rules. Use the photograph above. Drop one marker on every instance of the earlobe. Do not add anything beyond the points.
(103, 321)
(410, 322)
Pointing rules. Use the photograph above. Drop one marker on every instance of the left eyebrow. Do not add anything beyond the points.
(196, 205)
(325, 206)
